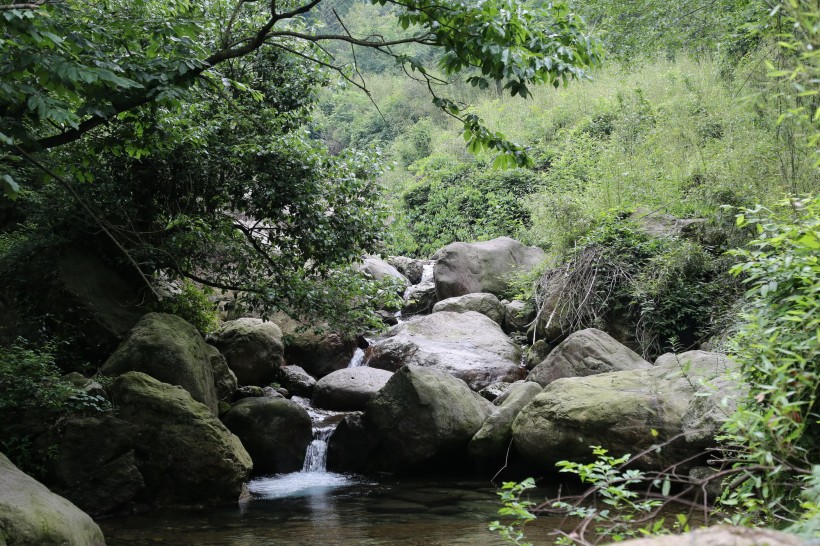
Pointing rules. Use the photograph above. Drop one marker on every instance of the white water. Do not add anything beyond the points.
(316, 456)
(357, 360)
(427, 273)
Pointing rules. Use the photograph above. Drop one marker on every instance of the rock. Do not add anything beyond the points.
(163, 448)
(253, 349)
(537, 352)
(657, 224)
(419, 299)
(583, 353)
(224, 379)
(248, 391)
(88, 386)
(296, 380)
(468, 345)
(422, 415)
(378, 269)
(31, 515)
(712, 487)
(507, 391)
(492, 392)
(315, 348)
(169, 349)
(464, 268)
(721, 535)
(187, 455)
(349, 447)
(275, 432)
(493, 438)
(349, 389)
(275, 392)
(411, 268)
(616, 410)
(518, 316)
(486, 304)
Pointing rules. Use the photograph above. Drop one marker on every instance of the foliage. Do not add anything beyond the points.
(671, 291)
(463, 206)
(611, 485)
(29, 378)
(193, 304)
(516, 508)
(776, 432)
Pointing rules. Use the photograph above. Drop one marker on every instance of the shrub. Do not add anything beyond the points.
(29, 378)
(194, 305)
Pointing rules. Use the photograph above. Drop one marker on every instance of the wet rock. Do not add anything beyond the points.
(169, 349)
(486, 304)
(349, 389)
(583, 353)
(465, 268)
(253, 349)
(31, 515)
(468, 345)
(276, 432)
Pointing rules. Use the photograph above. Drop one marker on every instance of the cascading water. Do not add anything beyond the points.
(357, 359)
(316, 456)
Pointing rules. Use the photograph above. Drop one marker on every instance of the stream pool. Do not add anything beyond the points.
(327, 508)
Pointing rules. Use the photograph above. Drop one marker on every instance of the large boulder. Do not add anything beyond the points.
(419, 299)
(422, 415)
(349, 389)
(518, 315)
(163, 448)
(169, 349)
(275, 431)
(314, 347)
(583, 353)
(187, 456)
(468, 345)
(225, 381)
(349, 447)
(296, 380)
(464, 268)
(658, 224)
(31, 515)
(484, 303)
(379, 269)
(617, 410)
(493, 438)
(253, 349)
(409, 267)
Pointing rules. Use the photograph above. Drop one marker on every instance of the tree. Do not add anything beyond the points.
(175, 130)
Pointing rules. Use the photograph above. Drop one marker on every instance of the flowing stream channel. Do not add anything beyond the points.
(315, 506)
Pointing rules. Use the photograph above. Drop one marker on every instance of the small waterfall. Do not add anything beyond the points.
(427, 273)
(357, 360)
(316, 456)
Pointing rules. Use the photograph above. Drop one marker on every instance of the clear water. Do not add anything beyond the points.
(327, 508)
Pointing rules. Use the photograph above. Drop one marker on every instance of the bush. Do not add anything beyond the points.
(194, 305)
(29, 378)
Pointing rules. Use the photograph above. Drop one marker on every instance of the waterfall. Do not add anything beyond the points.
(316, 455)
(427, 273)
(358, 359)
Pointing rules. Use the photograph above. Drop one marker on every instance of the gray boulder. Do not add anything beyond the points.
(468, 345)
(224, 379)
(419, 299)
(421, 415)
(275, 431)
(409, 267)
(349, 389)
(163, 448)
(464, 268)
(493, 438)
(658, 224)
(518, 315)
(484, 303)
(583, 353)
(492, 392)
(31, 515)
(169, 349)
(296, 380)
(314, 347)
(617, 410)
(350, 445)
(253, 349)
(379, 269)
